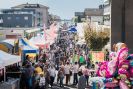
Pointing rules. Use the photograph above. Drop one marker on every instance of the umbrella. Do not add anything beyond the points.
(73, 30)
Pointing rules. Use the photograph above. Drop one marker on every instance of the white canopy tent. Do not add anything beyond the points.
(8, 59)
(10, 41)
(1, 65)
(39, 41)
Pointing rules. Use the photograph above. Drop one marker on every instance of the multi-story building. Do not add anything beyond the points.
(24, 20)
(91, 14)
(25, 15)
(80, 16)
(17, 18)
(94, 14)
(107, 12)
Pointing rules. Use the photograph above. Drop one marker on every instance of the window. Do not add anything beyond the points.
(17, 18)
(9, 18)
(26, 25)
(26, 18)
(17, 26)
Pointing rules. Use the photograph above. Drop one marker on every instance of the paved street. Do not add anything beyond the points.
(70, 86)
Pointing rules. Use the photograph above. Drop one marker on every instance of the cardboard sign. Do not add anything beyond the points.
(97, 56)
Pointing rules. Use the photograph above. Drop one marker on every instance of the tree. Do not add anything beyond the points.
(95, 40)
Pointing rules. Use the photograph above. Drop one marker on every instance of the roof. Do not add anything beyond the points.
(93, 12)
(79, 13)
(27, 5)
(8, 59)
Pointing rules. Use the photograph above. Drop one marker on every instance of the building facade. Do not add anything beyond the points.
(80, 16)
(94, 15)
(25, 15)
(91, 14)
(107, 12)
(122, 22)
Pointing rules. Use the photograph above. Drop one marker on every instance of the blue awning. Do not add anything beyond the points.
(73, 29)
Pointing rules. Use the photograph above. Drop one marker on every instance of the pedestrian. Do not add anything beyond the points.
(81, 60)
(38, 69)
(42, 81)
(88, 60)
(29, 74)
(61, 75)
(67, 72)
(86, 73)
(82, 81)
(52, 73)
(96, 66)
(75, 76)
(81, 68)
(23, 80)
(47, 77)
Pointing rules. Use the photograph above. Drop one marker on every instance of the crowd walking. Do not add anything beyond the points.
(42, 74)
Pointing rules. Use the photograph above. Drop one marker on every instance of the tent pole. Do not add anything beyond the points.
(4, 74)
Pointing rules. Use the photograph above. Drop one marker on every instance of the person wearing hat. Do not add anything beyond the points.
(38, 69)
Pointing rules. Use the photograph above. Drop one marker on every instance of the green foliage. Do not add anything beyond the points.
(95, 40)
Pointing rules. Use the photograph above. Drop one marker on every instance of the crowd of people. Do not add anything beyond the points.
(42, 73)
(64, 64)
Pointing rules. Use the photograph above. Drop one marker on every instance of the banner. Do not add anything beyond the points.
(97, 56)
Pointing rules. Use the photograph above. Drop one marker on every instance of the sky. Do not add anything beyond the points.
(63, 8)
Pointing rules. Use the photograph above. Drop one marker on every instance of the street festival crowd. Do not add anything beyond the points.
(116, 73)
(41, 74)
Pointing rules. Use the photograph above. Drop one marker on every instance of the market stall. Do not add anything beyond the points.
(7, 60)
(9, 41)
(39, 41)
(8, 47)
(26, 49)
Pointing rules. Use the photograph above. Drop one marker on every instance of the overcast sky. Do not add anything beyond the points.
(64, 8)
